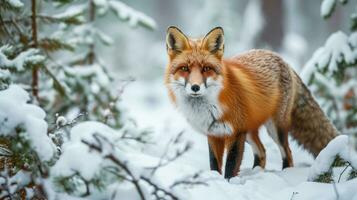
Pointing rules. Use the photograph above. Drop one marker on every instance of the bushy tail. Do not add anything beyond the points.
(310, 126)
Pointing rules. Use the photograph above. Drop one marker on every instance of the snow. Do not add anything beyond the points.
(327, 7)
(148, 103)
(337, 49)
(86, 34)
(104, 37)
(4, 78)
(60, 121)
(15, 3)
(4, 74)
(77, 158)
(28, 56)
(325, 159)
(20, 179)
(94, 70)
(72, 11)
(101, 6)
(124, 12)
(338, 146)
(15, 111)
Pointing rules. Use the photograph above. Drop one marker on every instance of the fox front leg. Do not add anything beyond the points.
(235, 149)
(215, 149)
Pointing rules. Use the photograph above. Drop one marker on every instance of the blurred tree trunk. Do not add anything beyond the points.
(273, 32)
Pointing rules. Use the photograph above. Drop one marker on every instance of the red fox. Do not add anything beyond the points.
(229, 99)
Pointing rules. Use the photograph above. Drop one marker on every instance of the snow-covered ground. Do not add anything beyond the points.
(148, 104)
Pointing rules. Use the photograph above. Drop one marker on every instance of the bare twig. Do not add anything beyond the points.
(190, 181)
(159, 189)
(293, 195)
(339, 178)
(164, 159)
(122, 165)
(336, 191)
(72, 122)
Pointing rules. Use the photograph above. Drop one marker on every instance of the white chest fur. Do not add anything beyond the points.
(203, 115)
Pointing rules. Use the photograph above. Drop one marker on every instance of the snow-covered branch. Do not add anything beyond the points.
(30, 56)
(338, 49)
(340, 146)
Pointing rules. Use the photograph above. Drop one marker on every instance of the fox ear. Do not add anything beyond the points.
(214, 41)
(176, 41)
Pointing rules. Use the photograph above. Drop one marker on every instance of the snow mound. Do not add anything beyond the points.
(15, 111)
(78, 157)
(338, 146)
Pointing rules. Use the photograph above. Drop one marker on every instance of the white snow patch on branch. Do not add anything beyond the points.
(78, 157)
(327, 7)
(15, 3)
(72, 11)
(94, 70)
(4, 74)
(337, 49)
(15, 111)
(125, 12)
(338, 146)
(28, 56)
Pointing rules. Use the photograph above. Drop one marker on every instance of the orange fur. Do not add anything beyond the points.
(249, 101)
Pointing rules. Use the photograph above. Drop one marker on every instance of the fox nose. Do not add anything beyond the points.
(195, 88)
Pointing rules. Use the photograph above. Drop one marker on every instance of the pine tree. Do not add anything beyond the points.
(44, 153)
(332, 73)
(85, 78)
(332, 76)
(26, 58)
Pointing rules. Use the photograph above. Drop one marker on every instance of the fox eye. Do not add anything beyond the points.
(184, 68)
(206, 69)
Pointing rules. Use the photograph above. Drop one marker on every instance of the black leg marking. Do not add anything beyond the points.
(281, 136)
(283, 142)
(231, 161)
(256, 161)
(285, 163)
(212, 159)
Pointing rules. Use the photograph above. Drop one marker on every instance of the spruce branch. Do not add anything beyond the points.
(54, 44)
(56, 83)
(191, 180)
(72, 20)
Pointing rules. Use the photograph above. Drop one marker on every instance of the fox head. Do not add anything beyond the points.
(195, 65)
